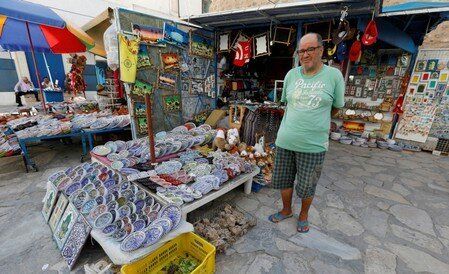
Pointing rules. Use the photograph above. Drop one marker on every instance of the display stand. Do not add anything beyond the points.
(91, 133)
(29, 162)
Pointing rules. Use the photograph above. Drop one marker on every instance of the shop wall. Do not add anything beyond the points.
(191, 103)
(223, 5)
(8, 78)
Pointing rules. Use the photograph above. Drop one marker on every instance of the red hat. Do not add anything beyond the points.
(370, 35)
(355, 51)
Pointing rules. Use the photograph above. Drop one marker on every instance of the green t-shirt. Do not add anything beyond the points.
(306, 122)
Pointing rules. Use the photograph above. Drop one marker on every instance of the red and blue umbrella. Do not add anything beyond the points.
(46, 31)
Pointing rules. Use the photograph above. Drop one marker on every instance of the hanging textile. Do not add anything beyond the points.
(128, 58)
(263, 121)
(242, 53)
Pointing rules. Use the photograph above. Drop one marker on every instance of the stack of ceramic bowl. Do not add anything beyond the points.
(372, 143)
(335, 136)
(359, 141)
(47, 127)
(382, 144)
(345, 140)
(178, 194)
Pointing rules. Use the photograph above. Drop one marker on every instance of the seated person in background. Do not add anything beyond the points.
(46, 84)
(23, 87)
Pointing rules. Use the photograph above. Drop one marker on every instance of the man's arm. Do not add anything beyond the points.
(17, 87)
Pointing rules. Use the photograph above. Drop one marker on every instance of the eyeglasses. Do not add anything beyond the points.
(308, 50)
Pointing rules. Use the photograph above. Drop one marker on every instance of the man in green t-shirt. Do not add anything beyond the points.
(312, 93)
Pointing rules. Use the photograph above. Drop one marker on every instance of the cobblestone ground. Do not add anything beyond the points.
(375, 211)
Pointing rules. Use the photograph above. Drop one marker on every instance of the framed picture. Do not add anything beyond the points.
(415, 78)
(261, 44)
(352, 92)
(432, 84)
(435, 75)
(171, 102)
(196, 86)
(141, 88)
(224, 42)
(282, 35)
(49, 200)
(148, 34)
(143, 60)
(139, 109)
(421, 88)
(185, 86)
(411, 90)
(75, 241)
(201, 46)
(402, 72)
(432, 65)
(142, 125)
(358, 92)
(65, 225)
(358, 81)
(167, 81)
(60, 206)
(175, 36)
(170, 61)
(209, 85)
(441, 87)
(443, 77)
(425, 76)
(421, 65)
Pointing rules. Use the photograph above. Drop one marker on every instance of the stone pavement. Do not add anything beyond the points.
(376, 211)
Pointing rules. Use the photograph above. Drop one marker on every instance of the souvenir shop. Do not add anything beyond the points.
(133, 198)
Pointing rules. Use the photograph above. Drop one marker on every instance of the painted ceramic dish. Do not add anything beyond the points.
(99, 210)
(139, 225)
(88, 206)
(103, 220)
(119, 235)
(153, 234)
(109, 229)
(165, 223)
(101, 150)
(133, 241)
(173, 212)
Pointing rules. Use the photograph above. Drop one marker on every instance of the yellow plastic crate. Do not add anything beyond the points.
(189, 243)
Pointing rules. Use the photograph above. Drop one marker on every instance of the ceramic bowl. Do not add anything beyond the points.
(109, 230)
(103, 220)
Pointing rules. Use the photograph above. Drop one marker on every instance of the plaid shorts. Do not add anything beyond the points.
(305, 167)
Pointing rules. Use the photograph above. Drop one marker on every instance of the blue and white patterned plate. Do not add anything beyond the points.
(103, 220)
(109, 229)
(133, 241)
(88, 206)
(172, 212)
(153, 234)
(165, 222)
(139, 225)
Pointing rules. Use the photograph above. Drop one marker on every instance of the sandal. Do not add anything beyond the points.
(277, 217)
(303, 226)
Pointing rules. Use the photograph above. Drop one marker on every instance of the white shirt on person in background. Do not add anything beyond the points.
(22, 86)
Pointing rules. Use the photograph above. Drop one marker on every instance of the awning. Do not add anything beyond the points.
(96, 28)
(282, 13)
(390, 34)
(404, 7)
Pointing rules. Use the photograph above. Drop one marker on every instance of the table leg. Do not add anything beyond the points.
(91, 140)
(184, 216)
(248, 186)
(27, 157)
(83, 142)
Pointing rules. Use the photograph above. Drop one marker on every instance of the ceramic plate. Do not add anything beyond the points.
(109, 229)
(164, 222)
(133, 241)
(103, 220)
(153, 234)
(101, 150)
(139, 225)
(173, 212)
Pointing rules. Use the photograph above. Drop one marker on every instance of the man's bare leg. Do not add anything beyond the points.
(286, 195)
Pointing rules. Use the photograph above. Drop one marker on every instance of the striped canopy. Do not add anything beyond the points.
(48, 31)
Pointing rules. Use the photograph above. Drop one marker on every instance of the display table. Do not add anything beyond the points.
(23, 145)
(91, 133)
(246, 179)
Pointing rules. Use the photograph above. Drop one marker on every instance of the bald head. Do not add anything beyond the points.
(312, 37)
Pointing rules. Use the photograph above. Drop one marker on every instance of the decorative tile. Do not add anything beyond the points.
(58, 211)
(49, 200)
(75, 241)
(65, 225)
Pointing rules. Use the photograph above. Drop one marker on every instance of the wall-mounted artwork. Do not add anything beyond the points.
(201, 46)
(421, 65)
(432, 84)
(224, 42)
(143, 60)
(171, 102)
(148, 34)
(75, 241)
(421, 88)
(261, 44)
(175, 36)
(139, 109)
(443, 77)
(142, 125)
(282, 35)
(196, 86)
(141, 88)
(432, 65)
(425, 76)
(167, 80)
(170, 61)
